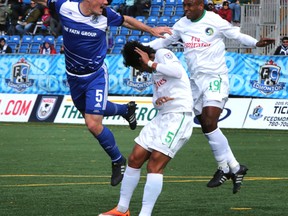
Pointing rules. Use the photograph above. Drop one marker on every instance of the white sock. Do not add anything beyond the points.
(221, 150)
(128, 185)
(152, 190)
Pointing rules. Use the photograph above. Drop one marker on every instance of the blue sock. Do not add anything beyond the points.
(108, 143)
(115, 109)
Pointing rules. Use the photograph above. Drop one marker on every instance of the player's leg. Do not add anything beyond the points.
(127, 111)
(154, 181)
(130, 181)
(173, 131)
(215, 91)
(89, 95)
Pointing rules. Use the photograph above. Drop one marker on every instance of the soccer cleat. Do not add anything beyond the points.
(131, 116)
(118, 170)
(218, 179)
(238, 177)
(114, 212)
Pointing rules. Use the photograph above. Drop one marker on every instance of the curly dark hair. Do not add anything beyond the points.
(132, 58)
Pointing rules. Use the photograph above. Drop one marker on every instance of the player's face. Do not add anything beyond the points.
(96, 6)
(193, 9)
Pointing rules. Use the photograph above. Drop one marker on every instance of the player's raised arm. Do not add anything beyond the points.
(132, 23)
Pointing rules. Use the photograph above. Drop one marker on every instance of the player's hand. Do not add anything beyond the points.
(143, 55)
(263, 42)
(160, 31)
(163, 100)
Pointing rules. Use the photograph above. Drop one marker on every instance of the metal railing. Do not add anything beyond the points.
(267, 19)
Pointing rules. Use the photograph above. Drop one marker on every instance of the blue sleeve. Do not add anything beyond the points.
(113, 18)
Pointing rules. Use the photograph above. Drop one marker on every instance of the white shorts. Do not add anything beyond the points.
(166, 133)
(209, 90)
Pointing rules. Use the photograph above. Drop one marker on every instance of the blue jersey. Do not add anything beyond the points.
(84, 37)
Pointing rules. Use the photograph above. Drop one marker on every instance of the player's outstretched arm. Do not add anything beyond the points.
(263, 42)
(132, 23)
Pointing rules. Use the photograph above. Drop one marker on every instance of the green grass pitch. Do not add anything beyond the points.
(60, 170)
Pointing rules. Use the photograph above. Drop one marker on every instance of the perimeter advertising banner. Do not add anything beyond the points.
(249, 75)
(267, 114)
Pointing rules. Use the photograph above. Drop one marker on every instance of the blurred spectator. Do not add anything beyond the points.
(128, 8)
(211, 7)
(117, 5)
(61, 49)
(31, 17)
(47, 48)
(218, 4)
(234, 5)
(11, 20)
(4, 48)
(225, 12)
(283, 48)
(3, 14)
(46, 21)
(140, 6)
(55, 24)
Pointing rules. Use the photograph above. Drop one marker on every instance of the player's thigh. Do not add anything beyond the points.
(166, 133)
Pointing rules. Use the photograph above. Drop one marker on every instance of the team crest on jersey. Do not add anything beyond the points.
(46, 107)
(139, 81)
(20, 76)
(94, 19)
(257, 113)
(168, 55)
(268, 82)
(209, 31)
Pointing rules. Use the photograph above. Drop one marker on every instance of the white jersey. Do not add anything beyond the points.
(203, 42)
(170, 79)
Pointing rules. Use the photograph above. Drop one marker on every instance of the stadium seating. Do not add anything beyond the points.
(37, 41)
(145, 39)
(24, 48)
(6, 37)
(59, 40)
(179, 10)
(136, 32)
(168, 10)
(133, 38)
(14, 42)
(155, 10)
(140, 18)
(14, 39)
(113, 30)
(50, 38)
(164, 21)
(157, 2)
(152, 21)
(170, 2)
(124, 31)
(174, 19)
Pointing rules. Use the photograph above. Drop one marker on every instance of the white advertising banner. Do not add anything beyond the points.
(268, 114)
(145, 111)
(234, 113)
(16, 107)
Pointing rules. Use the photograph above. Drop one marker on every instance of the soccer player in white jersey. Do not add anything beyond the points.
(203, 33)
(84, 25)
(164, 135)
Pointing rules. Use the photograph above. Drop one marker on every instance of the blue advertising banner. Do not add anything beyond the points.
(250, 75)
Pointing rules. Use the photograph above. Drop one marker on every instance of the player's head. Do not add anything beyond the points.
(2, 41)
(285, 41)
(193, 9)
(133, 59)
(93, 7)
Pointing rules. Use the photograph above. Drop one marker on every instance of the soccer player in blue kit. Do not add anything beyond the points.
(84, 36)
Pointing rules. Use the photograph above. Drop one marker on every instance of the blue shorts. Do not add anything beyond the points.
(90, 92)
